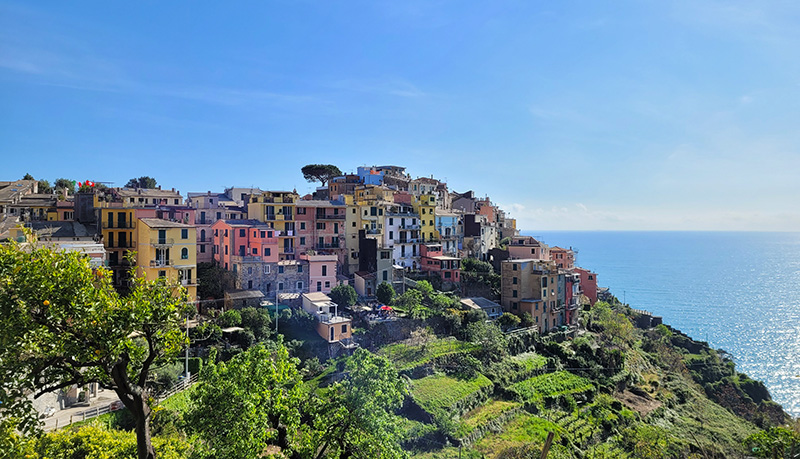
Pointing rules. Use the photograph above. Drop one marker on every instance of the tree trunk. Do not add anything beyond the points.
(144, 444)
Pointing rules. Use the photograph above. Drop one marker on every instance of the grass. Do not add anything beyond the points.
(551, 385)
(440, 392)
(407, 356)
(483, 415)
(523, 429)
(531, 360)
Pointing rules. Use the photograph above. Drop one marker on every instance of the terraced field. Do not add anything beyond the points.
(407, 356)
(550, 385)
(441, 393)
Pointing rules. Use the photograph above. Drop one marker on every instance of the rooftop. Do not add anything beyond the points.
(244, 294)
(479, 303)
(161, 223)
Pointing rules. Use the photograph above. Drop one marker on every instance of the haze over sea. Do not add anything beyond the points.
(740, 291)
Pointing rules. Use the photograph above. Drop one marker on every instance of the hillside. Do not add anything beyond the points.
(611, 391)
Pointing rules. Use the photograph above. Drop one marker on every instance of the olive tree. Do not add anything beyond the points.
(62, 324)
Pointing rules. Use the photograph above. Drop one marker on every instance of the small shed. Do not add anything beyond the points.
(238, 299)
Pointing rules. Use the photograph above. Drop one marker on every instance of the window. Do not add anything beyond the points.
(299, 285)
(299, 268)
(255, 251)
(354, 224)
(391, 221)
(202, 249)
(327, 284)
(385, 275)
(344, 328)
(226, 233)
(269, 233)
(255, 234)
(321, 225)
(216, 232)
(250, 270)
(391, 234)
(280, 285)
(324, 270)
(267, 251)
(226, 250)
(280, 269)
(591, 277)
(544, 282)
(162, 274)
(514, 305)
(513, 293)
(319, 286)
(354, 210)
(514, 280)
(302, 225)
(263, 234)
(514, 266)
(250, 284)
(242, 232)
(184, 253)
(266, 271)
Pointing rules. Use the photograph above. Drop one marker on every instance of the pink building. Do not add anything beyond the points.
(564, 258)
(321, 272)
(403, 197)
(432, 259)
(524, 247)
(244, 240)
(588, 284)
(319, 225)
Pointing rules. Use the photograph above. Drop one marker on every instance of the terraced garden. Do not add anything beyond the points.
(408, 356)
(441, 393)
(550, 385)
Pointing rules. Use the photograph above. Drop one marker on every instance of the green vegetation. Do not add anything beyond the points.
(441, 393)
(344, 295)
(320, 172)
(551, 385)
(407, 356)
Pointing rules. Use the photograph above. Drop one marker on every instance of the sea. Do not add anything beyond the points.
(739, 291)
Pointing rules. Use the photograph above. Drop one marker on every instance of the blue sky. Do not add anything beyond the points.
(572, 115)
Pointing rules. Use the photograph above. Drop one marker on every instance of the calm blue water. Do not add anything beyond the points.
(738, 291)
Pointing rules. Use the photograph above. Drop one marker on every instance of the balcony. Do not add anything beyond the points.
(247, 259)
(373, 231)
(162, 241)
(330, 217)
(410, 227)
(189, 282)
(287, 250)
(407, 241)
(119, 225)
(327, 246)
(122, 245)
(161, 263)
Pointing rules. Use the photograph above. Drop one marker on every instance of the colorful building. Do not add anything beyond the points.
(524, 247)
(563, 258)
(425, 206)
(331, 326)
(321, 272)
(277, 208)
(588, 284)
(402, 235)
(531, 286)
(236, 240)
(433, 260)
(167, 249)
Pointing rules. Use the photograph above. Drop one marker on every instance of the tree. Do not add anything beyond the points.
(28, 177)
(344, 295)
(65, 184)
(142, 182)
(385, 293)
(477, 266)
(213, 281)
(249, 403)
(44, 187)
(320, 172)
(62, 324)
(508, 320)
(356, 418)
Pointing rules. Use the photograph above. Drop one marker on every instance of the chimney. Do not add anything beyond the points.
(173, 189)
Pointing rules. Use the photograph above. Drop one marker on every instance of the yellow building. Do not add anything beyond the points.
(366, 208)
(118, 228)
(278, 209)
(425, 206)
(167, 249)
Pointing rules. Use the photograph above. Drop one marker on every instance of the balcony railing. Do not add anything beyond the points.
(327, 246)
(119, 225)
(330, 217)
(161, 263)
(247, 258)
(288, 250)
(122, 245)
(162, 241)
(407, 241)
(410, 227)
(189, 282)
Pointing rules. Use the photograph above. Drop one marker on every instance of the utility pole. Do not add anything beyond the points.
(277, 303)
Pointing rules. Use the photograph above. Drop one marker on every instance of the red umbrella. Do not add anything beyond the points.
(386, 308)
